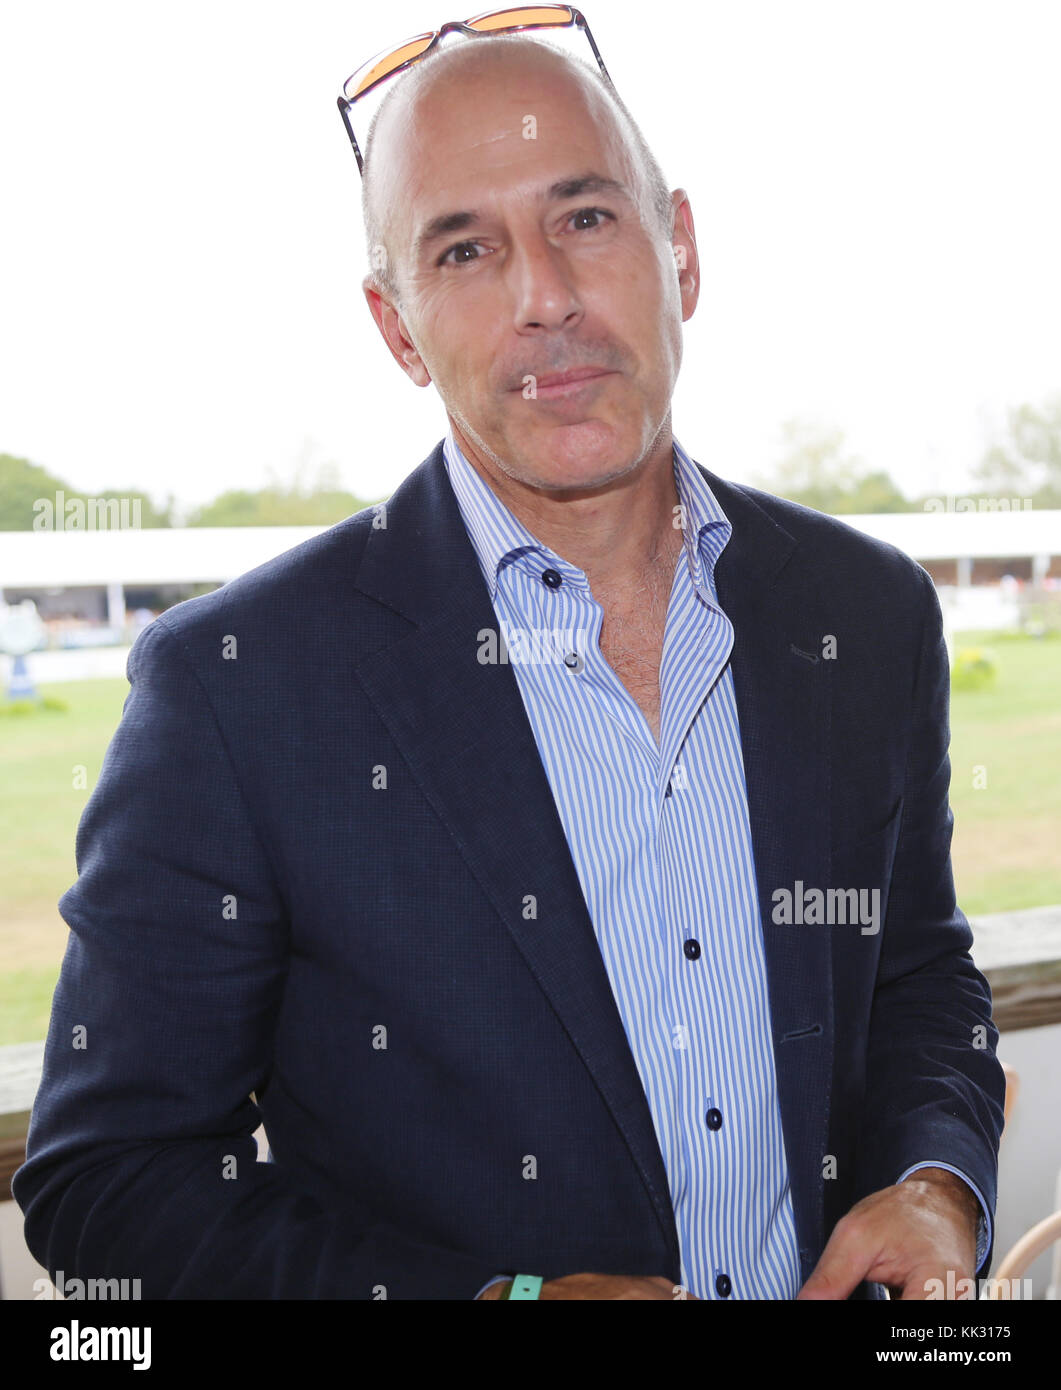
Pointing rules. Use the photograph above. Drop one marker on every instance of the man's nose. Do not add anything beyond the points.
(545, 294)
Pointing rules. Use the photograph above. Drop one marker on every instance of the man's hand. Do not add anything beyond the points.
(901, 1236)
(603, 1286)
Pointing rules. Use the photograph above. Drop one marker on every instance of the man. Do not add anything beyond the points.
(473, 838)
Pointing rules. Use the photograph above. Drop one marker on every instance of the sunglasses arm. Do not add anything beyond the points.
(344, 110)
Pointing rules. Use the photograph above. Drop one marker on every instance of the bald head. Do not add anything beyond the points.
(445, 90)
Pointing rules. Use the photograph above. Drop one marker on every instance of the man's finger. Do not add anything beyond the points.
(842, 1267)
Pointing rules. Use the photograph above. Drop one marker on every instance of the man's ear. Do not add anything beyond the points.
(395, 335)
(686, 259)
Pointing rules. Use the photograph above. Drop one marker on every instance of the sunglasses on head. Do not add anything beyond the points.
(394, 60)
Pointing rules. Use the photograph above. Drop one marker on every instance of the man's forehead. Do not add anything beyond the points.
(504, 112)
(498, 67)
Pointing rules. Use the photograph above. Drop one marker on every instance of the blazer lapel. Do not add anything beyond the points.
(782, 687)
(464, 731)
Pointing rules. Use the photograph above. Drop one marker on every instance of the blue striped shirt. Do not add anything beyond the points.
(660, 839)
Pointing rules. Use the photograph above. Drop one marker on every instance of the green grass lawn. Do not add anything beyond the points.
(40, 805)
(1005, 841)
(26, 1003)
(1007, 833)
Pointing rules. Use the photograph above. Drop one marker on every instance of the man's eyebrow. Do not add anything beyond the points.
(444, 225)
(449, 222)
(586, 183)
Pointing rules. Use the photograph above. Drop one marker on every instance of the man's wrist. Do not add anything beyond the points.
(960, 1189)
(967, 1194)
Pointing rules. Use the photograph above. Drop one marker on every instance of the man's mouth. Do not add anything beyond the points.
(555, 385)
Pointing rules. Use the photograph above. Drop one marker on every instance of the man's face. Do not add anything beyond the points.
(525, 251)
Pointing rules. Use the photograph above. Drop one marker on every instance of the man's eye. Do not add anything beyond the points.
(457, 253)
(598, 213)
(464, 252)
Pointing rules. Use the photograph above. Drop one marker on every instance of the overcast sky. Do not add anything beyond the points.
(875, 187)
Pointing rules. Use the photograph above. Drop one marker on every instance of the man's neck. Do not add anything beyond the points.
(617, 535)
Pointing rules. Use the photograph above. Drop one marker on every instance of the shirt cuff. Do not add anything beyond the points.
(497, 1279)
(983, 1226)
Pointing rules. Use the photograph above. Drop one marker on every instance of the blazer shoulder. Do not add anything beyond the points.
(306, 578)
(838, 551)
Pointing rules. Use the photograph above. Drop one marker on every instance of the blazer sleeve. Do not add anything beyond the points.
(141, 1161)
(934, 1085)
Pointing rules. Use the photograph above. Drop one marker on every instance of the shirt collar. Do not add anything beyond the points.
(499, 537)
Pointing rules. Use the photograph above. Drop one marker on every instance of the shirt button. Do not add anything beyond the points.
(553, 578)
(692, 951)
(722, 1285)
(573, 660)
(714, 1118)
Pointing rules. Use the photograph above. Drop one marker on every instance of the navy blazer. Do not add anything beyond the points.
(301, 897)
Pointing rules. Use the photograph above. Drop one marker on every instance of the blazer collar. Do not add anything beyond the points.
(419, 539)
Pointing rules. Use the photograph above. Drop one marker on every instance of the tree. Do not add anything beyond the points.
(817, 470)
(1027, 461)
(24, 485)
(296, 503)
(21, 485)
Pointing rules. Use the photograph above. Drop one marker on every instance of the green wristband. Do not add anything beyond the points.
(524, 1286)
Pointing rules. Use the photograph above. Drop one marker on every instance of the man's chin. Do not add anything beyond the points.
(586, 455)
(570, 432)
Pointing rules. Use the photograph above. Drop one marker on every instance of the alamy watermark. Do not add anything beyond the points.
(103, 1290)
(62, 513)
(77, 1343)
(954, 1288)
(828, 907)
(978, 504)
(531, 646)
